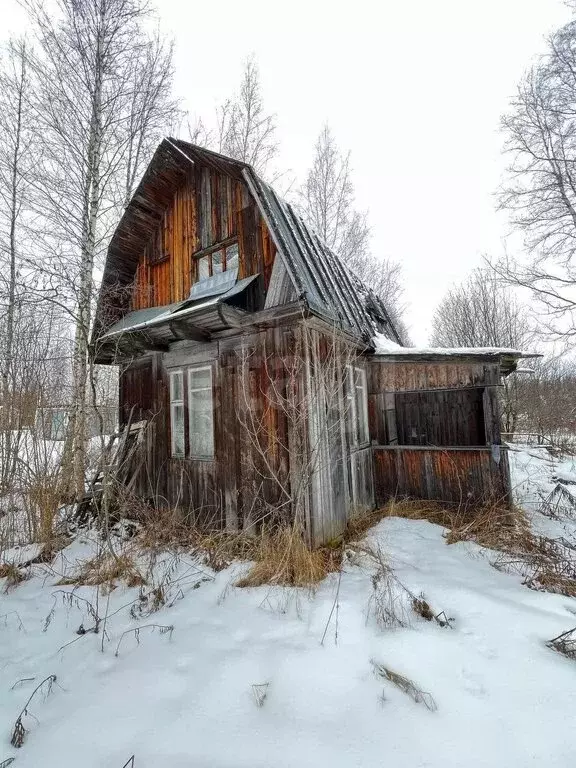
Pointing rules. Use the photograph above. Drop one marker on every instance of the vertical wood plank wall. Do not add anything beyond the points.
(261, 453)
(445, 438)
(207, 208)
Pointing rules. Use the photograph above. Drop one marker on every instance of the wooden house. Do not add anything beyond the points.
(248, 348)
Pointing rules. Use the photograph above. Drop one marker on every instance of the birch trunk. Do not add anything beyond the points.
(88, 254)
(9, 463)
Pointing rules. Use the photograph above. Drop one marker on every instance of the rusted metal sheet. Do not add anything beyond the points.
(456, 475)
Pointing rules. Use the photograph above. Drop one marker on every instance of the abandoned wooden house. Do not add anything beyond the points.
(249, 350)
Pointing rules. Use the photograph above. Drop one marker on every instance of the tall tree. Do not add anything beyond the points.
(326, 200)
(539, 190)
(15, 168)
(103, 94)
(483, 312)
(246, 131)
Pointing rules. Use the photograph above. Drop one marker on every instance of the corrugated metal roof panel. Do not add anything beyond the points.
(321, 275)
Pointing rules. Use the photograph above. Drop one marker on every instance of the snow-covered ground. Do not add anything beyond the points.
(184, 698)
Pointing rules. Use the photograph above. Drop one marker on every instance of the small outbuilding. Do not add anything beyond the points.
(272, 381)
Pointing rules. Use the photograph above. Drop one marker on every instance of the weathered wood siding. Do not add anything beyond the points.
(465, 476)
(269, 451)
(250, 469)
(208, 208)
(435, 431)
(447, 417)
(404, 376)
(436, 404)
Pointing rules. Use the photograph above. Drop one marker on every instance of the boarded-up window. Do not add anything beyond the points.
(440, 418)
(356, 406)
(178, 440)
(201, 413)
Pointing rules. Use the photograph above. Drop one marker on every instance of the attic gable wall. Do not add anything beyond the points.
(208, 207)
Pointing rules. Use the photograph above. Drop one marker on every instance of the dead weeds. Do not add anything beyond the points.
(12, 574)
(546, 564)
(106, 569)
(282, 556)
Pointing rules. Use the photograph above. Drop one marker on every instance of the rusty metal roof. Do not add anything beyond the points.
(319, 275)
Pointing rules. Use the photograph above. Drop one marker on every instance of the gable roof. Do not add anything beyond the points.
(320, 277)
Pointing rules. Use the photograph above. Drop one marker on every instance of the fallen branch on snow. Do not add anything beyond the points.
(406, 686)
(19, 732)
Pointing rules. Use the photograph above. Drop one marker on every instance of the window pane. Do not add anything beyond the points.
(232, 256)
(176, 386)
(177, 427)
(203, 268)
(201, 424)
(350, 405)
(200, 378)
(361, 405)
(217, 262)
(201, 412)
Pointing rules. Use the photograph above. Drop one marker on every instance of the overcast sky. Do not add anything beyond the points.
(414, 89)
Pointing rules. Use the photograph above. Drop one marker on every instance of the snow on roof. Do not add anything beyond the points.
(383, 346)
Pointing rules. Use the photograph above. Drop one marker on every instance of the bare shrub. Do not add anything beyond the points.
(548, 565)
(163, 629)
(390, 601)
(406, 685)
(12, 574)
(19, 731)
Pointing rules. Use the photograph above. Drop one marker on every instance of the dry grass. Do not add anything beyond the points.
(283, 557)
(43, 499)
(12, 574)
(107, 569)
(280, 553)
(546, 564)
(406, 685)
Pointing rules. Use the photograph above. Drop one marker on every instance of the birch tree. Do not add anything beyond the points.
(326, 200)
(15, 168)
(102, 99)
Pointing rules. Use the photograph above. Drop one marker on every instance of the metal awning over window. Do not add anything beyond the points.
(215, 303)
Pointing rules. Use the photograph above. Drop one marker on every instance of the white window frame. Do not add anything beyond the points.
(357, 403)
(175, 403)
(191, 371)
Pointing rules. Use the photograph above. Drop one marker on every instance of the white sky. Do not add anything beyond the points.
(414, 89)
